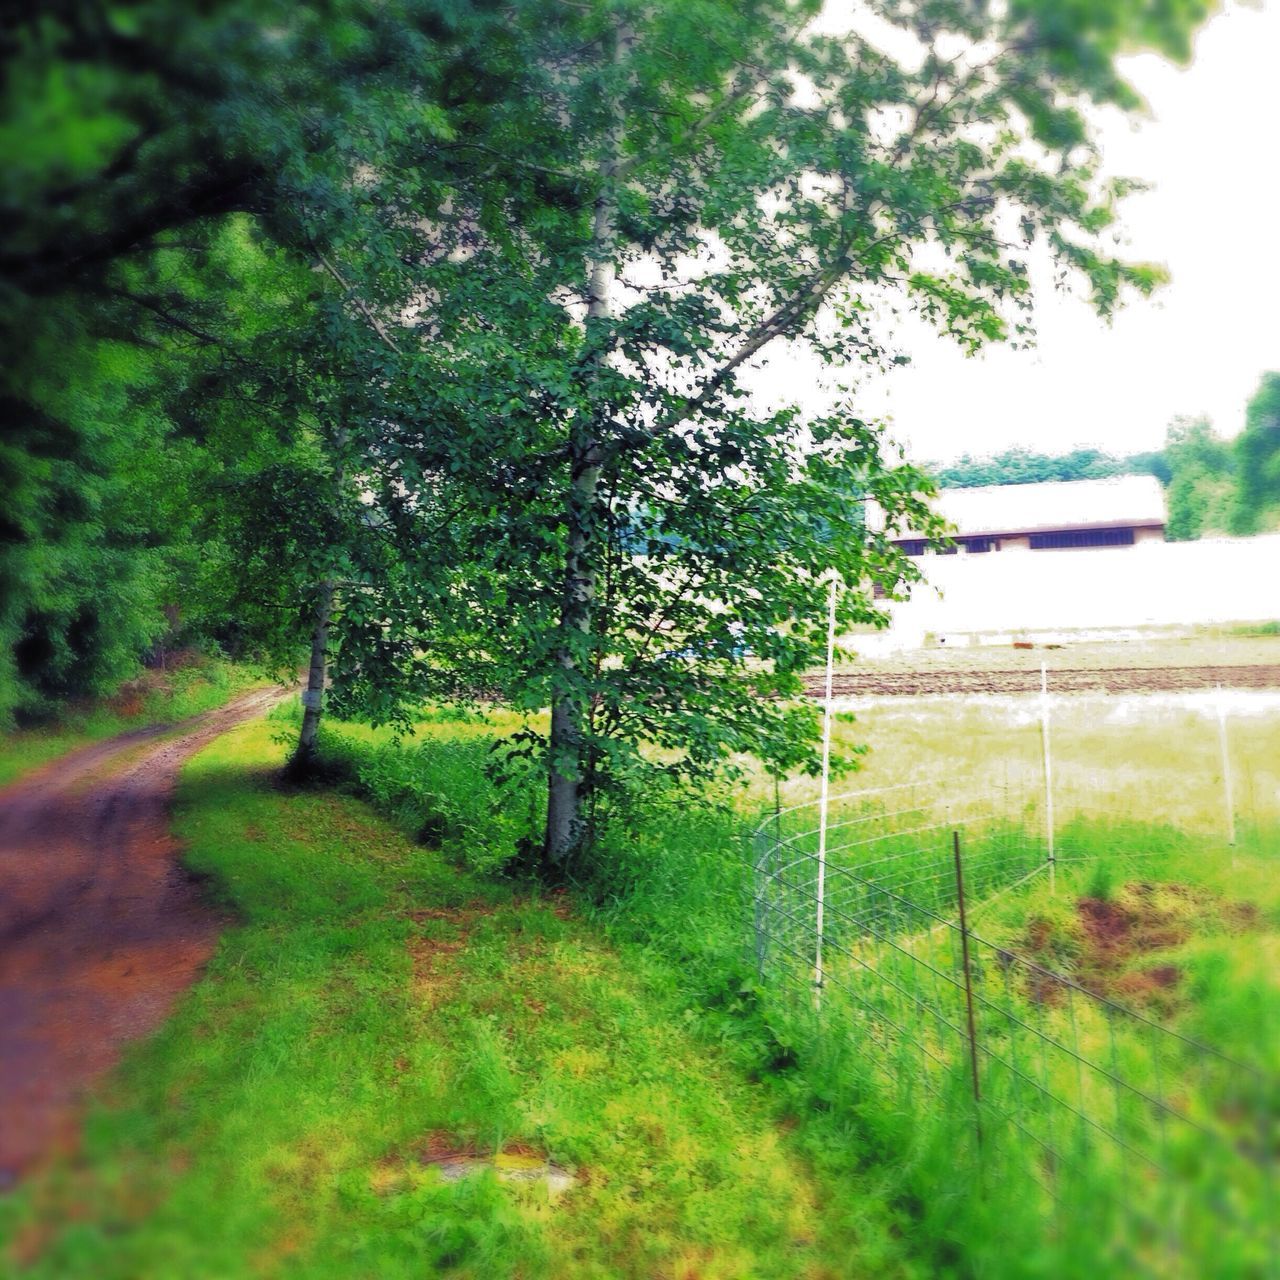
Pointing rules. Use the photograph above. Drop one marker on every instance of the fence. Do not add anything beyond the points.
(870, 918)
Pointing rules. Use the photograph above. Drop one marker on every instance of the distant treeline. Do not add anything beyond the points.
(1213, 486)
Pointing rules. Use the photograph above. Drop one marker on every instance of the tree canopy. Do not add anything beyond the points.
(417, 330)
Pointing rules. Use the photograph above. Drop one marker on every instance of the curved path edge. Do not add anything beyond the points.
(101, 926)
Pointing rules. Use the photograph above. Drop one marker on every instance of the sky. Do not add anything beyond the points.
(1209, 147)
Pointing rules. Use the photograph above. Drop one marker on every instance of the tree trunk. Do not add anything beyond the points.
(303, 759)
(302, 762)
(570, 706)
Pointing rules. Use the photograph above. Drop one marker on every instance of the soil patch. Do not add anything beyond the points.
(1068, 680)
(517, 1162)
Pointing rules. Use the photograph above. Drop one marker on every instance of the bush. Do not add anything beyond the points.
(440, 791)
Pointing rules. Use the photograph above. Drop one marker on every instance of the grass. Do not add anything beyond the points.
(381, 1000)
(156, 698)
(1155, 758)
(1255, 644)
(1169, 923)
(375, 1002)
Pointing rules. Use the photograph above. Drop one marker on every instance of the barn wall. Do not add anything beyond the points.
(1218, 580)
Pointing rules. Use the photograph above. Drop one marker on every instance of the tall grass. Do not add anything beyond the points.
(1037, 1197)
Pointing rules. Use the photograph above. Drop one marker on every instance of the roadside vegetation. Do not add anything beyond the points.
(397, 992)
(192, 683)
(377, 1008)
(415, 340)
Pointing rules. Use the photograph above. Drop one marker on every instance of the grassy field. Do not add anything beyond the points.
(1209, 647)
(154, 698)
(1152, 757)
(378, 1007)
(395, 995)
(1149, 1155)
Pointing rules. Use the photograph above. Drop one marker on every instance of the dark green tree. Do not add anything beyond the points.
(1200, 486)
(1257, 460)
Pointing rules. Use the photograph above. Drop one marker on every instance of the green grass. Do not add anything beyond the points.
(1152, 758)
(381, 998)
(373, 1001)
(157, 698)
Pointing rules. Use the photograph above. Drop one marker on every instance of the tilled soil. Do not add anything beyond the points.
(1078, 680)
(101, 928)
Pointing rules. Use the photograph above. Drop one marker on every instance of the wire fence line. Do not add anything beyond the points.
(872, 923)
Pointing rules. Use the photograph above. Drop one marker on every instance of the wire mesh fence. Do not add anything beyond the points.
(875, 928)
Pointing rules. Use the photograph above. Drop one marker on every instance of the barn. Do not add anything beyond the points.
(1119, 511)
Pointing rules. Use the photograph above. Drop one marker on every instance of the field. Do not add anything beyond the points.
(1116, 1018)
(397, 1004)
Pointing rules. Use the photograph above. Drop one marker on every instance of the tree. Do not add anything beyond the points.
(1200, 486)
(711, 179)
(1257, 459)
(155, 153)
(1024, 466)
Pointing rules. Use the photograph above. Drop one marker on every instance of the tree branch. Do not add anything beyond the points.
(378, 327)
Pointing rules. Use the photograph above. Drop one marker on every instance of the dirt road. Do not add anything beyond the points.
(1079, 680)
(101, 928)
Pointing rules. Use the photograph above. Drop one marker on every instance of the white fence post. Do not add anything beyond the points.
(1048, 772)
(824, 795)
(1228, 789)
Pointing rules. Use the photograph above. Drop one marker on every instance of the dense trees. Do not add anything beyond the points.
(416, 330)
(1025, 466)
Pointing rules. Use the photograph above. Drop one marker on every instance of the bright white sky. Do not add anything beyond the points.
(1211, 151)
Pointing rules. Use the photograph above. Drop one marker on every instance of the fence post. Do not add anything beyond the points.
(968, 985)
(1048, 773)
(1227, 783)
(825, 792)
(759, 882)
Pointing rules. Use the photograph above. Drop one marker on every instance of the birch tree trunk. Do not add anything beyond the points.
(570, 706)
(303, 759)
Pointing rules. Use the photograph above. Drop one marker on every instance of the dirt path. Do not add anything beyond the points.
(101, 928)
(1068, 680)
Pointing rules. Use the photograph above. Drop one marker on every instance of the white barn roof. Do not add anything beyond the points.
(1118, 501)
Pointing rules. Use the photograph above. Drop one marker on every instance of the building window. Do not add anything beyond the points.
(912, 547)
(1082, 538)
(976, 546)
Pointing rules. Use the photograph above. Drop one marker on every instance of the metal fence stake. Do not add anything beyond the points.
(1048, 772)
(1228, 788)
(825, 795)
(968, 986)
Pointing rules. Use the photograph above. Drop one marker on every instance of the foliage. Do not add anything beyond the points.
(1025, 466)
(153, 700)
(171, 357)
(441, 313)
(438, 790)
(625, 425)
(1257, 460)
